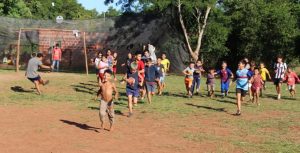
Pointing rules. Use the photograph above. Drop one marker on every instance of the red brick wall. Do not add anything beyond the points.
(72, 47)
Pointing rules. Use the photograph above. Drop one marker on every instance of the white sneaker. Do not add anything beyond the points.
(279, 97)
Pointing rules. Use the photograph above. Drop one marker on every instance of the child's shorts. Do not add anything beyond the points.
(249, 85)
(291, 87)
(133, 93)
(277, 81)
(210, 87)
(38, 78)
(242, 92)
(255, 89)
(151, 86)
(114, 69)
(162, 79)
(188, 81)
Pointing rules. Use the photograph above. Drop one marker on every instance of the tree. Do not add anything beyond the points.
(14, 8)
(192, 16)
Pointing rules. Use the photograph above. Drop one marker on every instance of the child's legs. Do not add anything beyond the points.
(57, 65)
(193, 85)
(102, 112)
(238, 100)
(111, 113)
(198, 81)
(130, 103)
(257, 93)
(222, 87)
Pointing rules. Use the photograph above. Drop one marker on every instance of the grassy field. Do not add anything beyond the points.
(272, 127)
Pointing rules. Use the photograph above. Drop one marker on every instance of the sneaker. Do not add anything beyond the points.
(278, 97)
(238, 113)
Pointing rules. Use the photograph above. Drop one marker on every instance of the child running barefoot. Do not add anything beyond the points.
(151, 77)
(225, 74)
(188, 72)
(264, 72)
(291, 78)
(161, 81)
(32, 74)
(107, 89)
(197, 77)
(211, 83)
(257, 84)
(242, 77)
(132, 86)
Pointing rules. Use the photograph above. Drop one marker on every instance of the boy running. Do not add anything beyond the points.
(151, 77)
(107, 89)
(263, 73)
(257, 83)
(32, 74)
(141, 71)
(197, 77)
(188, 72)
(114, 67)
(161, 82)
(242, 77)
(291, 78)
(279, 69)
(132, 86)
(165, 62)
(210, 82)
(225, 74)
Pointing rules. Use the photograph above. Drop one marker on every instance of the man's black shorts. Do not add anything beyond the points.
(35, 79)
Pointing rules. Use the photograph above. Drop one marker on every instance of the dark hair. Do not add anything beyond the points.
(57, 45)
(33, 54)
(211, 68)
(39, 55)
(149, 60)
(191, 63)
(108, 71)
(146, 51)
(137, 53)
(280, 56)
(256, 68)
(158, 57)
(243, 62)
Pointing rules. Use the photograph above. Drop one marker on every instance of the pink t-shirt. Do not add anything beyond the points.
(56, 54)
(102, 66)
(257, 81)
(291, 78)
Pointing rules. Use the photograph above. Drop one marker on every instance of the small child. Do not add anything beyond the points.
(225, 74)
(211, 83)
(114, 67)
(257, 84)
(106, 91)
(151, 77)
(242, 79)
(251, 73)
(291, 78)
(188, 72)
(132, 86)
(102, 66)
(161, 71)
(264, 72)
(197, 77)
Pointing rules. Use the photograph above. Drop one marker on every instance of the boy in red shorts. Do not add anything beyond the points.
(257, 83)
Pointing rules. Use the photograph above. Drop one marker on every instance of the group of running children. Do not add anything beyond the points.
(144, 74)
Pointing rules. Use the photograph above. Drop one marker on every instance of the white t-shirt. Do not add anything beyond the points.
(97, 60)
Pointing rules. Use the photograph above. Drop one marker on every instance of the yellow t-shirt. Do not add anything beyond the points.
(263, 72)
(165, 63)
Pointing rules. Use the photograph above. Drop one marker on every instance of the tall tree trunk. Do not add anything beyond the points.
(194, 53)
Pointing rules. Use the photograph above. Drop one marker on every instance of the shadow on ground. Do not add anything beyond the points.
(80, 125)
(207, 107)
(20, 89)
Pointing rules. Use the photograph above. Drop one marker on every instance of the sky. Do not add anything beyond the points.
(98, 4)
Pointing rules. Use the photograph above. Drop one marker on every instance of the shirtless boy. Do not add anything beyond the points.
(106, 91)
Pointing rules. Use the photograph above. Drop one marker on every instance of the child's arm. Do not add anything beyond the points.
(116, 92)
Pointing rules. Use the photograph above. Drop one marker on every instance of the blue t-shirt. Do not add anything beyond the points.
(135, 86)
(242, 77)
(151, 73)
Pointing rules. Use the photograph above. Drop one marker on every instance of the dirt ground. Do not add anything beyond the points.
(63, 129)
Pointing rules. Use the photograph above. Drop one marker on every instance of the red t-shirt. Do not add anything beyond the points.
(56, 54)
(141, 66)
(291, 78)
(257, 81)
